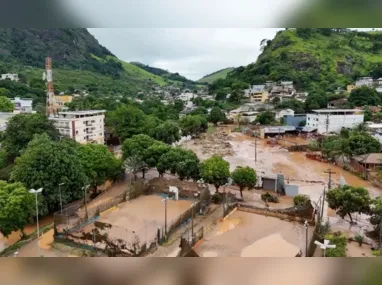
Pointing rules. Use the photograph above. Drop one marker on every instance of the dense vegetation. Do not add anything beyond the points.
(316, 60)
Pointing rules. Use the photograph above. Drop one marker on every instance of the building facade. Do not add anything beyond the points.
(61, 100)
(82, 126)
(333, 120)
(9, 76)
(22, 105)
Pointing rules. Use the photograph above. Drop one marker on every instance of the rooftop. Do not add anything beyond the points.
(370, 158)
(336, 110)
(87, 112)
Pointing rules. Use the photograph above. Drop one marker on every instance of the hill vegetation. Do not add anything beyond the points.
(220, 74)
(316, 60)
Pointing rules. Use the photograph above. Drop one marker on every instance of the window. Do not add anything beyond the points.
(76, 132)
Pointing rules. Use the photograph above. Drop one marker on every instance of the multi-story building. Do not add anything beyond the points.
(82, 126)
(22, 105)
(258, 93)
(333, 120)
(364, 81)
(9, 76)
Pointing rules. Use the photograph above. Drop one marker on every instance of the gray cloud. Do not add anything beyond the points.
(192, 52)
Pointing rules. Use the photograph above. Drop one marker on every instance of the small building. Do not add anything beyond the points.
(333, 120)
(364, 81)
(22, 105)
(258, 93)
(301, 96)
(9, 76)
(337, 103)
(4, 118)
(379, 81)
(61, 100)
(281, 113)
(276, 130)
(350, 88)
(187, 96)
(370, 161)
(294, 120)
(82, 126)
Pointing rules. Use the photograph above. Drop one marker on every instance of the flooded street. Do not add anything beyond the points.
(242, 234)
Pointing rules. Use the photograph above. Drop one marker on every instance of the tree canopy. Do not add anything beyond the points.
(99, 164)
(216, 116)
(5, 104)
(215, 170)
(265, 118)
(167, 132)
(193, 125)
(363, 96)
(176, 160)
(16, 207)
(46, 163)
(347, 200)
(244, 177)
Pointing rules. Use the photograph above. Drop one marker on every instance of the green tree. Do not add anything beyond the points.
(16, 207)
(216, 116)
(188, 169)
(126, 121)
(244, 177)
(5, 104)
(4, 92)
(171, 161)
(154, 153)
(364, 96)
(167, 132)
(347, 200)
(21, 129)
(134, 164)
(215, 170)
(46, 163)
(265, 118)
(193, 125)
(368, 115)
(376, 213)
(201, 110)
(99, 164)
(363, 143)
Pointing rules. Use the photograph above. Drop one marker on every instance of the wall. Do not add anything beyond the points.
(333, 123)
(291, 190)
(290, 120)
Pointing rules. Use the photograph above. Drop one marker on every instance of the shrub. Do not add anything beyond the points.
(216, 198)
(300, 200)
(340, 241)
(266, 197)
(359, 239)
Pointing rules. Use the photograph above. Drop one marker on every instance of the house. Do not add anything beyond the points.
(22, 105)
(258, 93)
(61, 100)
(287, 84)
(350, 87)
(333, 120)
(4, 118)
(187, 96)
(379, 81)
(379, 89)
(337, 103)
(82, 126)
(301, 96)
(9, 76)
(245, 113)
(364, 81)
(281, 113)
(339, 90)
(282, 91)
(370, 161)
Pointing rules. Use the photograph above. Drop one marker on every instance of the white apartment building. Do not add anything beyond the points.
(12, 77)
(23, 105)
(364, 81)
(333, 120)
(82, 126)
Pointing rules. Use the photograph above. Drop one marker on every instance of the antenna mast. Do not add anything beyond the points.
(51, 108)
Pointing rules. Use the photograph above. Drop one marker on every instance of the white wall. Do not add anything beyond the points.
(335, 122)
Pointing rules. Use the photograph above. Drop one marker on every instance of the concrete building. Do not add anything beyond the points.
(350, 88)
(258, 93)
(364, 81)
(82, 126)
(294, 120)
(333, 120)
(187, 96)
(22, 105)
(9, 76)
(61, 100)
(281, 113)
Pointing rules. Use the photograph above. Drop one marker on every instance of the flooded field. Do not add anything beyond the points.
(141, 217)
(239, 234)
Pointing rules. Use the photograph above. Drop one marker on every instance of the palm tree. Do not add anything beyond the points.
(134, 164)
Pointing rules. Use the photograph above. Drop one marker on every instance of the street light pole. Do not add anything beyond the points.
(325, 245)
(59, 187)
(165, 215)
(85, 188)
(33, 191)
(306, 238)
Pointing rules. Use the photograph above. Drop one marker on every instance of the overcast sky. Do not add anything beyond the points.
(193, 52)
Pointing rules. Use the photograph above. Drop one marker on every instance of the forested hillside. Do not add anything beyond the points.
(314, 59)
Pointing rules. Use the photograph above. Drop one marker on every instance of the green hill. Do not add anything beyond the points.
(220, 74)
(314, 59)
(79, 61)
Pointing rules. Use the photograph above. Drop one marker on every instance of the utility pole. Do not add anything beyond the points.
(85, 188)
(255, 148)
(306, 238)
(330, 172)
(165, 215)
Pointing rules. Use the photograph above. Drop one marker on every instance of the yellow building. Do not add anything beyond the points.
(259, 96)
(350, 87)
(62, 99)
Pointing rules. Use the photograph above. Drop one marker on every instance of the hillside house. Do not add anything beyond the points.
(9, 76)
(22, 105)
(281, 113)
(258, 93)
(364, 81)
(370, 161)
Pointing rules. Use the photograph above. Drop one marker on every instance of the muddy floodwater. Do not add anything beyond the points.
(237, 236)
